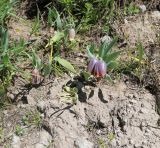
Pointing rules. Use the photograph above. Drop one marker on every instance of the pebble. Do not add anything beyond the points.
(44, 139)
(131, 142)
(11, 96)
(83, 143)
(143, 8)
(16, 141)
(41, 106)
(31, 100)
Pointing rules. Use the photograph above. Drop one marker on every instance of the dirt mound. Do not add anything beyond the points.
(112, 116)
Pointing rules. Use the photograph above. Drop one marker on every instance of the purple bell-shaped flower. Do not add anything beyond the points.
(97, 67)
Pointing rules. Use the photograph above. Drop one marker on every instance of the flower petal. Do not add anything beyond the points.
(102, 68)
(91, 65)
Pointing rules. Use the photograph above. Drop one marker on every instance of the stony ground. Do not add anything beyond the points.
(110, 115)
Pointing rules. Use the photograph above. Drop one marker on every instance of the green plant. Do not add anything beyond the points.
(7, 69)
(5, 7)
(19, 131)
(57, 41)
(137, 63)
(36, 25)
(111, 136)
(32, 118)
(102, 59)
(8, 58)
(131, 9)
(70, 95)
(102, 144)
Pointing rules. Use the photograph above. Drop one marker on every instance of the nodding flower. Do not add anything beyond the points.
(97, 68)
(36, 77)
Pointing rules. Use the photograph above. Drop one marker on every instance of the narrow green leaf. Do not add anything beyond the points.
(112, 65)
(58, 22)
(1, 66)
(108, 77)
(47, 69)
(65, 64)
(111, 57)
(56, 38)
(6, 60)
(90, 51)
(107, 48)
(2, 91)
(102, 49)
(86, 75)
(36, 61)
(140, 49)
(5, 41)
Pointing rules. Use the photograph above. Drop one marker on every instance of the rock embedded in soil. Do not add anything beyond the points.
(16, 143)
(44, 139)
(83, 143)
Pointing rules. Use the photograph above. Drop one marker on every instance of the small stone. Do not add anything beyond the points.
(125, 21)
(41, 106)
(143, 8)
(119, 134)
(10, 96)
(44, 139)
(142, 105)
(83, 143)
(147, 131)
(143, 110)
(131, 142)
(16, 142)
(98, 132)
(130, 96)
(137, 146)
(71, 34)
(118, 143)
(31, 100)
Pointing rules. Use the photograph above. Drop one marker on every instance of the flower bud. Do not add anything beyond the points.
(36, 77)
(71, 34)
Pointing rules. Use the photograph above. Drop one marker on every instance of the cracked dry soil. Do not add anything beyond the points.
(113, 115)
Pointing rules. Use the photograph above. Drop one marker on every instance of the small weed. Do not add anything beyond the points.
(102, 144)
(131, 9)
(111, 136)
(5, 8)
(36, 25)
(58, 41)
(19, 131)
(69, 95)
(32, 118)
(8, 59)
(138, 62)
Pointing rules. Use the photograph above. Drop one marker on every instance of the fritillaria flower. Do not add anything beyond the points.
(36, 77)
(97, 67)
